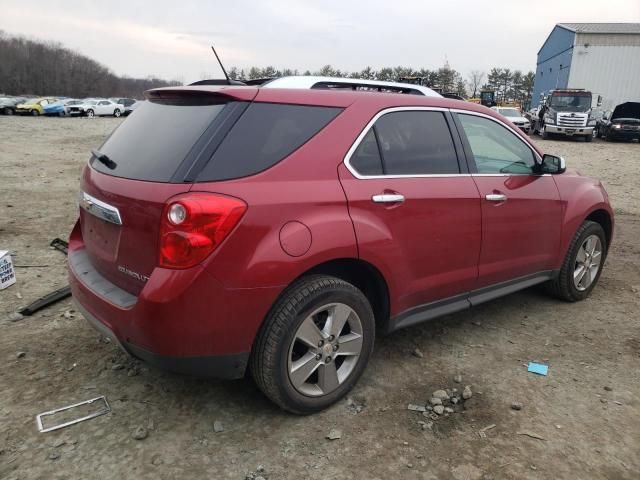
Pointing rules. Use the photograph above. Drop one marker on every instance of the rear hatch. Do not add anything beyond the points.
(151, 157)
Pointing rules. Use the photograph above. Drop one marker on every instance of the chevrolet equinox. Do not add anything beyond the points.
(232, 229)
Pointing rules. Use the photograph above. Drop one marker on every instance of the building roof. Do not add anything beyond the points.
(604, 28)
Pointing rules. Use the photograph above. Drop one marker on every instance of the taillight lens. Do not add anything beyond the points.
(194, 224)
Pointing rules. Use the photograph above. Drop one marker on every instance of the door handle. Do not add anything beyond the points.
(496, 197)
(388, 198)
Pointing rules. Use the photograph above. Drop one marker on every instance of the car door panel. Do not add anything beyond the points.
(521, 212)
(429, 241)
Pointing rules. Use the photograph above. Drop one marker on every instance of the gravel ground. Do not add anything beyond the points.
(581, 421)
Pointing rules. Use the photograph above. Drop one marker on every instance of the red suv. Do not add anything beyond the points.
(231, 228)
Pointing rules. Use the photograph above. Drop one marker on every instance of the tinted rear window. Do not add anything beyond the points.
(265, 134)
(155, 139)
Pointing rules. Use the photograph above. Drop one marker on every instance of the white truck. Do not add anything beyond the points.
(566, 112)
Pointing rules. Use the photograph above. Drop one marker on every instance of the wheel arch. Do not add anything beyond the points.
(603, 218)
(360, 273)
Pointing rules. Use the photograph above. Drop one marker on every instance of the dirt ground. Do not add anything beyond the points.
(585, 430)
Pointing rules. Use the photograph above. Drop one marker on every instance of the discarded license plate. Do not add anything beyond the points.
(88, 409)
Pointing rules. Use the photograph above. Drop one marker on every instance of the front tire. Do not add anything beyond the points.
(116, 113)
(34, 113)
(543, 133)
(583, 264)
(589, 138)
(314, 344)
(90, 113)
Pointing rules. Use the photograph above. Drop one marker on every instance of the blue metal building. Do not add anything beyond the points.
(601, 57)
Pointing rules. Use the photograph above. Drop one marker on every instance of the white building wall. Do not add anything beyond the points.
(612, 71)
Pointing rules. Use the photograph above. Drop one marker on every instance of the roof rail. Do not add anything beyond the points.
(217, 81)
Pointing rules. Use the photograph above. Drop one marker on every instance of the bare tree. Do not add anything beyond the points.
(475, 80)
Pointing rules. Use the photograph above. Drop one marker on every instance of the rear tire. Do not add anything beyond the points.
(569, 285)
(8, 111)
(90, 113)
(116, 113)
(310, 309)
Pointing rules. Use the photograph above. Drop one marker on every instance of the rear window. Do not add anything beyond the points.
(265, 134)
(155, 139)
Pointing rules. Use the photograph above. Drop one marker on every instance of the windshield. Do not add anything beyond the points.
(571, 103)
(509, 112)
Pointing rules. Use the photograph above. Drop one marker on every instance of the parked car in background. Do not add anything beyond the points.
(34, 106)
(623, 123)
(129, 104)
(275, 230)
(514, 116)
(97, 108)
(8, 104)
(59, 108)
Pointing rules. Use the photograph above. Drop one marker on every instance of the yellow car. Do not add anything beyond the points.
(34, 106)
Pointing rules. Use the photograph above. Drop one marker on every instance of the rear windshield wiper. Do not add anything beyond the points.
(102, 158)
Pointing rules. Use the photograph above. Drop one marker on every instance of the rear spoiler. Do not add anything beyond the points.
(201, 94)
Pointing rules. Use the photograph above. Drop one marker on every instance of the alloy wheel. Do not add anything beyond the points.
(587, 264)
(325, 349)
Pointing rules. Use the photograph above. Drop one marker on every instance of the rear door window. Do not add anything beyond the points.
(265, 134)
(416, 143)
(366, 159)
(152, 143)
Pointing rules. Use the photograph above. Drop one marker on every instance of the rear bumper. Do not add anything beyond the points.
(182, 320)
(227, 367)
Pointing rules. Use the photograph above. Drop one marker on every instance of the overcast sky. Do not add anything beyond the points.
(171, 38)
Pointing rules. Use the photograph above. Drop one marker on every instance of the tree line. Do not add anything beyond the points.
(510, 86)
(47, 68)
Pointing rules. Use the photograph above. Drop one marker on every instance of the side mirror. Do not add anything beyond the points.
(553, 164)
(599, 100)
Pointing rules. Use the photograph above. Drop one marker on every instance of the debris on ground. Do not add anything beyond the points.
(15, 316)
(218, 427)
(608, 388)
(442, 402)
(140, 433)
(356, 404)
(101, 402)
(418, 353)
(531, 434)
(516, 406)
(21, 354)
(334, 434)
(259, 474)
(538, 368)
(483, 431)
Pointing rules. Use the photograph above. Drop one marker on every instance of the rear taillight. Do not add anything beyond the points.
(194, 224)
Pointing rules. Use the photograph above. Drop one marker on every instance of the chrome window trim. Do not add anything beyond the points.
(100, 209)
(371, 122)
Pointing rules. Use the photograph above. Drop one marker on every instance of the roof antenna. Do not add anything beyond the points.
(221, 66)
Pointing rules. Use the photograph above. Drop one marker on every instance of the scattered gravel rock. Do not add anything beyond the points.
(441, 394)
(467, 393)
(356, 404)
(608, 388)
(449, 409)
(516, 406)
(439, 409)
(334, 434)
(54, 455)
(457, 379)
(140, 433)
(435, 401)
(15, 316)
(455, 400)
(418, 353)
(218, 427)
(117, 366)
(21, 354)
